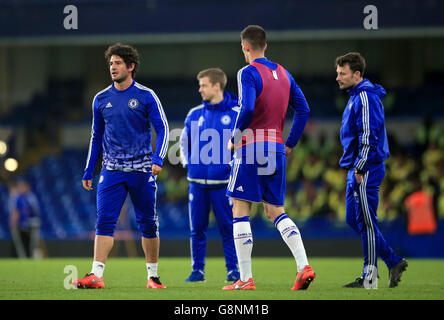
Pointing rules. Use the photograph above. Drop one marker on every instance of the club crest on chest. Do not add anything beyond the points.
(133, 103)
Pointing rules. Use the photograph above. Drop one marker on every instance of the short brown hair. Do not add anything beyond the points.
(255, 36)
(215, 75)
(128, 53)
(355, 61)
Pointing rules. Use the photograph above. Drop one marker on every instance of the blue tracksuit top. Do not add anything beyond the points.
(207, 158)
(28, 208)
(363, 132)
(121, 128)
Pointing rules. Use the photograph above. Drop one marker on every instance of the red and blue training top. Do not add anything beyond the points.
(266, 90)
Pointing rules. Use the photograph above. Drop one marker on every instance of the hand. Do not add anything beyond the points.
(288, 151)
(358, 177)
(87, 184)
(230, 145)
(155, 169)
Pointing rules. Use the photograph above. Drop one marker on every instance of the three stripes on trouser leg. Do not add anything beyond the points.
(371, 269)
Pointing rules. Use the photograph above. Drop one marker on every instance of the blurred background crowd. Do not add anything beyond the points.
(316, 184)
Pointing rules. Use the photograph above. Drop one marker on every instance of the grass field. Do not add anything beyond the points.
(125, 279)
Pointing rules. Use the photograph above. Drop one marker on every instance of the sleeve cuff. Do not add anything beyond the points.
(87, 176)
(289, 145)
(158, 161)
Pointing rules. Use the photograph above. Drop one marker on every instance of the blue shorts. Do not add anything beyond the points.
(112, 191)
(261, 180)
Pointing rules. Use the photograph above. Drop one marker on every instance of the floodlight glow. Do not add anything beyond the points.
(3, 148)
(11, 164)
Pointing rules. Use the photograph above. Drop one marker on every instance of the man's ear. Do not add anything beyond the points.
(131, 67)
(246, 46)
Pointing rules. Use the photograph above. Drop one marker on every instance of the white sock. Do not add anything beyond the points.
(152, 269)
(98, 268)
(292, 237)
(243, 242)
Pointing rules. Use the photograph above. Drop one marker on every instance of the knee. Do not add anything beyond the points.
(351, 222)
(241, 208)
(198, 232)
(149, 228)
(105, 225)
(272, 212)
(269, 214)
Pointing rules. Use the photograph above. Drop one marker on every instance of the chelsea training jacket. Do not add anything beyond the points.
(121, 128)
(204, 139)
(363, 132)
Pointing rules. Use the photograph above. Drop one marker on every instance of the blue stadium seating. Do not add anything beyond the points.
(68, 211)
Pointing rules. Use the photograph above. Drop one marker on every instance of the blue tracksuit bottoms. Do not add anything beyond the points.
(361, 214)
(201, 199)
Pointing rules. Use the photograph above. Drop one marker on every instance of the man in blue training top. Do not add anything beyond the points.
(266, 89)
(24, 220)
(364, 140)
(121, 129)
(209, 169)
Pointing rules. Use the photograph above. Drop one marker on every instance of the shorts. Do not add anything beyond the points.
(112, 191)
(262, 180)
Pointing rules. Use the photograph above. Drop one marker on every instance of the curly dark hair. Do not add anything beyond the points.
(128, 53)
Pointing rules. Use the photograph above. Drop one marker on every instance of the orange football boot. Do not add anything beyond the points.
(90, 281)
(304, 278)
(240, 285)
(154, 283)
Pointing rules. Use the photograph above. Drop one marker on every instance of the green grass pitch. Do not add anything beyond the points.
(125, 279)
